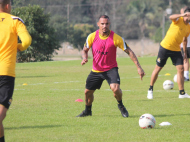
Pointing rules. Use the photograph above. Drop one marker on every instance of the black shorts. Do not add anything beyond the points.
(6, 90)
(163, 55)
(94, 80)
(188, 52)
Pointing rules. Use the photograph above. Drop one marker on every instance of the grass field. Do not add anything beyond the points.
(45, 110)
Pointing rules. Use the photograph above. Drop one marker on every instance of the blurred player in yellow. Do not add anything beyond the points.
(187, 44)
(10, 28)
(170, 47)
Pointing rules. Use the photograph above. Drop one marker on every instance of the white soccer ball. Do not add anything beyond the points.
(175, 78)
(147, 121)
(168, 85)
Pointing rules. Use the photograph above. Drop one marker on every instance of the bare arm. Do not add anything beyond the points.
(174, 17)
(84, 55)
(135, 60)
(185, 48)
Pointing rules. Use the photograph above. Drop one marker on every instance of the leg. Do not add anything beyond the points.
(153, 80)
(186, 70)
(180, 77)
(116, 91)
(154, 76)
(118, 95)
(89, 97)
(3, 112)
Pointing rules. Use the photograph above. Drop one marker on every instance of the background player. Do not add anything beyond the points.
(10, 28)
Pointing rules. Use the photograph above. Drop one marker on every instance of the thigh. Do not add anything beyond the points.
(6, 90)
(162, 56)
(94, 81)
(177, 58)
(112, 76)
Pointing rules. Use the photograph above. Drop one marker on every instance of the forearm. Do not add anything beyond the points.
(185, 45)
(175, 16)
(84, 53)
(133, 57)
(25, 41)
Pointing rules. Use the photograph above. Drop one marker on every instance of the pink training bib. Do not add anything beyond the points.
(104, 53)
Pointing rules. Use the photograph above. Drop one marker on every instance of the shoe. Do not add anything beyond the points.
(84, 113)
(123, 110)
(150, 94)
(186, 79)
(184, 96)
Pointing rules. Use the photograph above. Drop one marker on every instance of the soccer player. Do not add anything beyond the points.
(187, 44)
(170, 47)
(104, 43)
(10, 28)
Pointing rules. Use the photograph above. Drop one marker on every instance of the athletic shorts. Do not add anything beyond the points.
(188, 52)
(94, 79)
(163, 54)
(6, 90)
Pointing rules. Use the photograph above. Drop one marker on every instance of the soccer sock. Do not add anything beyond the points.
(2, 139)
(120, 103)
(151, 88)
(88, 108)
(186, 74)
(182, 92)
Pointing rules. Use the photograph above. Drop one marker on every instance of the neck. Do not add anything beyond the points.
(104, 33)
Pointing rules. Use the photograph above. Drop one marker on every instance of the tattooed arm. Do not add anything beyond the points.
(135, 60)
(84, 55)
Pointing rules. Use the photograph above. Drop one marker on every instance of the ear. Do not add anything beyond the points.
(98, 24)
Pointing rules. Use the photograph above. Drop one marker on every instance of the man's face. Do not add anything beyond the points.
(104, 25)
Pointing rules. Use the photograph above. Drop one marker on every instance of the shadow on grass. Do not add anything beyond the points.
(32, 127)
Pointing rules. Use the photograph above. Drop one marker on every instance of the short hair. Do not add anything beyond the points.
(4, 2)
(186, 9)
(104, 16)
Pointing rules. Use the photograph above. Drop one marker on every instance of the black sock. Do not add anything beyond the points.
(2, 139)
(88, 108)
(182, 92)
(120, 103)
(151, 88)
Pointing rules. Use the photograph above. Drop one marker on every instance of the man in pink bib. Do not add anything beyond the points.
(104, 43)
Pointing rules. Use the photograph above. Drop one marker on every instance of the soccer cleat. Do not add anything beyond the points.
(123, 110)
(84, 114)
(150, 94)
(184, 96)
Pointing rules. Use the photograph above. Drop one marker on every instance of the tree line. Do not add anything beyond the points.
(73, 20)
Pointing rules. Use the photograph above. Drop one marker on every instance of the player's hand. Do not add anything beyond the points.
(141, 72)
(186, 14)
(84, 61)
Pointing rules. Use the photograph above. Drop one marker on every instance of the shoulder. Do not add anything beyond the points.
(117, 37)
(17, 18)
(91, 35)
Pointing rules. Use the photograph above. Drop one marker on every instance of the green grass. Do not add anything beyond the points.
(45, 109)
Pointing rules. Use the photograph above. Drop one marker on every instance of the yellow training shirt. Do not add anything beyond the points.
(174, 36)
(10, 28)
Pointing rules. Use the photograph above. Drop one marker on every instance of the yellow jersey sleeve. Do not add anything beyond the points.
(89, 40)
(119, 42)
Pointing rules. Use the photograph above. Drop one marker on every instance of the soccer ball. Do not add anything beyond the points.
(175, 78)
(168, 85)
(147, 121)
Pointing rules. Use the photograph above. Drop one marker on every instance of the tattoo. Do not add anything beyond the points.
(132, 56)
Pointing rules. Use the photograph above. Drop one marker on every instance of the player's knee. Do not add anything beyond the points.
(115, 89)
